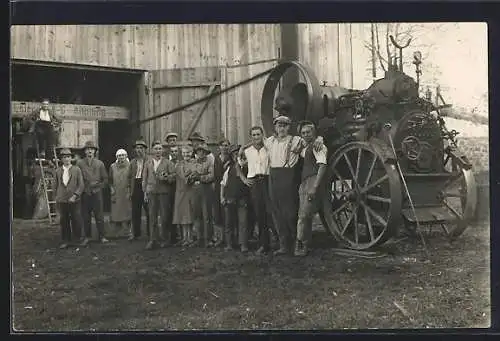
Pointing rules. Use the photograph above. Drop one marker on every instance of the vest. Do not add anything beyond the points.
(235, 188)
(310, 167)
(218, 168)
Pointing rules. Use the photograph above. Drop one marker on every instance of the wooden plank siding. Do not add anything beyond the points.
(327, 48)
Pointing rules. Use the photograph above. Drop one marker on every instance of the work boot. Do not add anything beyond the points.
(104, 240)
(85, 241)
(297, 248)
(63, 246)
(280, 252)
(149, 245)
(131, 238)
(244, 249)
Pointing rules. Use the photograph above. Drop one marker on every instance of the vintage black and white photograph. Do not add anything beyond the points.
(183, 177)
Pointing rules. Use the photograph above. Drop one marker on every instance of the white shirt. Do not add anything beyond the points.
(140, 163)
(156, 163)
(320, 155)
(257, 161)
(65, 176)
(224, 177)
(280, 151)
(44, 115)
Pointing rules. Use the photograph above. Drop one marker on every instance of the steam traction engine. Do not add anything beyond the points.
(392, 161)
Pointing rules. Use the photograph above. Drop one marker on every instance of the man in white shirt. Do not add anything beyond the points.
(257, 159)
(44, 125)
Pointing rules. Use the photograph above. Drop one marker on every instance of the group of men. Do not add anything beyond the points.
(283, 175)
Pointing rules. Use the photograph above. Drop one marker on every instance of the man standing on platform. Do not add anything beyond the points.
(44, 125)
(95, 178)
(137, 195)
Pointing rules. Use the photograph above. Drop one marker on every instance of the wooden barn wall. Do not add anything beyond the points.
(156, 47)
(334, 51)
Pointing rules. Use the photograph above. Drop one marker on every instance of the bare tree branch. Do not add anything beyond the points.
(378, 49)
(387, 44)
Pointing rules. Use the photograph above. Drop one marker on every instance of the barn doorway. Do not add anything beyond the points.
(65, 84)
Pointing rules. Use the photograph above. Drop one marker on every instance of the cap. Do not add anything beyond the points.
(89, 144)
(196, 137)
(282, 119)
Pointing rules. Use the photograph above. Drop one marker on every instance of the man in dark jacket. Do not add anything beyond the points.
(137, 194)
(95, 178)
(68, 187)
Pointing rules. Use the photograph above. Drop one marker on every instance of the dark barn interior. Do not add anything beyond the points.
(66, 85)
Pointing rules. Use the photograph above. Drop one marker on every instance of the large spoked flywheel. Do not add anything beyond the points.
(363, 206)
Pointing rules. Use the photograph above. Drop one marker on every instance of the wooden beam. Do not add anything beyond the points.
(186, 85)
(73, 111)
(200, 112)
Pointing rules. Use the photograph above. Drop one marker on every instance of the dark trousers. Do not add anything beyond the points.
(203, 215)
(70, 221)
(259, 193)
(137, 205)
(92, 203)
(235, 212)
(44, 136)
(284, 200)
(159, 204)
(170, 228)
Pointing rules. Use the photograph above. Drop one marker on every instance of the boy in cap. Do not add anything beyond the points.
(202, 179)
(95, 178)
(68, 187)
(137, 194)
(158, 177)
(234, 199)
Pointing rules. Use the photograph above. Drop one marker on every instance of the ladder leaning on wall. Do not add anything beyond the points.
(47, 179)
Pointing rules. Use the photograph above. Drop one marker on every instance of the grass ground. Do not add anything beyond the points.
(122, 287)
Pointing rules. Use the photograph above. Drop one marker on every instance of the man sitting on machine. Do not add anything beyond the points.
(45, 126)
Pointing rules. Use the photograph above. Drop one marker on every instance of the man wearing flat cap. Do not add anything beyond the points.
(157, 181)
(68, 187)
(95, 178)
(137, 194)
(169, 146)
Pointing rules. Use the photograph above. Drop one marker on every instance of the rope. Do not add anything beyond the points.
(203, 99)
(388, 126)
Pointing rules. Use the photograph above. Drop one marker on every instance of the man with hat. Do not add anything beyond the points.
(203, 178)
(95, 178)
(137, 194)
(44, 124)
(197, 140)
(68, 186)
(168, 146)
(311, 186)
(172, 153)
(158, 177)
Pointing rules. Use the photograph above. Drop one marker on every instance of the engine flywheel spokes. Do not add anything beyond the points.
(459, 196)
(363, 207)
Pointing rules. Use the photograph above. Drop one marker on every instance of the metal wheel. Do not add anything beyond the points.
(459, 196)
(363, 206)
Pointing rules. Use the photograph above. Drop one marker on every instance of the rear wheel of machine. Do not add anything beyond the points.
(362, 206)
(459, 196)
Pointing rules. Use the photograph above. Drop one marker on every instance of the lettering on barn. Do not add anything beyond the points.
(73, 111)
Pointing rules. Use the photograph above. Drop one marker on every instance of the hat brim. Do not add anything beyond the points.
(90, 147)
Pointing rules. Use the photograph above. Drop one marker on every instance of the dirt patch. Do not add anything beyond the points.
(122, 287)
